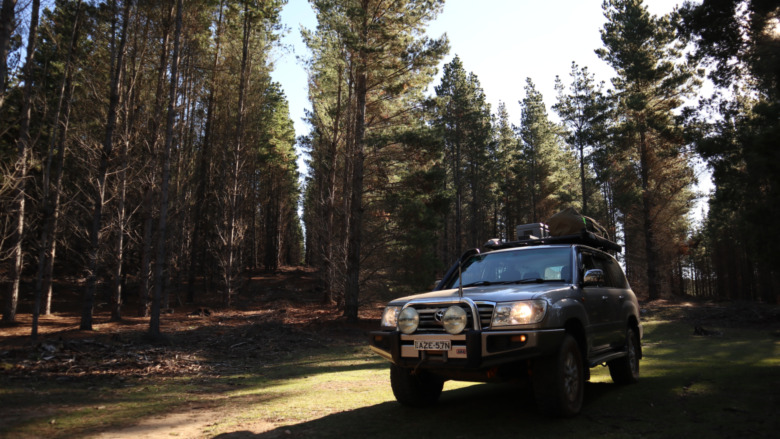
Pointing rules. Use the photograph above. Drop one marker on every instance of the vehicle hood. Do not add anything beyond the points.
(496, 293)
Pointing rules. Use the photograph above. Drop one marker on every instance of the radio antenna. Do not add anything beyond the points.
(463, 258)
(460, 279)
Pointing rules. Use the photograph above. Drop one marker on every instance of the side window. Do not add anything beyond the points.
(596, 261)
(615, 274)
(588, 262)
(602, 262)
(591, 262)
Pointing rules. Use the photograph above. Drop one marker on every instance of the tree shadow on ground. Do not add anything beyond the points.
(478, 411)
(681, 401)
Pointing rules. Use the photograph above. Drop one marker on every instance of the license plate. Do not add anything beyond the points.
(432, 345)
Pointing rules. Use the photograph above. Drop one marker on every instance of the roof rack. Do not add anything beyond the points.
(584, 238)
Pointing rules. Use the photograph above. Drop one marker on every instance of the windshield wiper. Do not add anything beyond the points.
(485, 283)
(480, 283)
(530, 280)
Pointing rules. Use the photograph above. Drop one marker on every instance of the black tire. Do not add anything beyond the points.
(416, 389)
(559, 380)
(625, 370)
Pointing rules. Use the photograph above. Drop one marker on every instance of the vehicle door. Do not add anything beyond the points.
(596, 301)
(616, 291)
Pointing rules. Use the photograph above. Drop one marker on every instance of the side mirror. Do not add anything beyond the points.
(593, 278)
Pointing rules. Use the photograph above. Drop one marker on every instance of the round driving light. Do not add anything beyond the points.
(454, 320)
(408, 320)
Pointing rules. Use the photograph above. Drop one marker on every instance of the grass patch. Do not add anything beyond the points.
(723, 386)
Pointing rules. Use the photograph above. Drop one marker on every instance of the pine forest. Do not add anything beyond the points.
(148, 157)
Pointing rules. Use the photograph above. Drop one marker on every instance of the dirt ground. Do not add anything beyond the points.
(275, 312)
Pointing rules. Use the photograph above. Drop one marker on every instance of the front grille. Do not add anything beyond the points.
(428, 311)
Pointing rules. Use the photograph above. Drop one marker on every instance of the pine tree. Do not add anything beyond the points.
(464, 123)
(736, 133)
(20, 175)
(99, 198)
(507, 152)
(101, 139)
(652, 82)
(548, 169)
(584, 111)
(389, 61)
(276, 161)
(52, 192)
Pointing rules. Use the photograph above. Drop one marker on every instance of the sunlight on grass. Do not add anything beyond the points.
(454, 385)
(312, 396)
(682, 377)
(600, 375)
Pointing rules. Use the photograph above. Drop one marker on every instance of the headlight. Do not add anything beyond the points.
(408, 320)
(454, 320)
(390, 317)
(519, 313)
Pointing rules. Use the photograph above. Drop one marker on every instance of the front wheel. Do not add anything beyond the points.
(415, 388)
(559, 380)
(625, 370)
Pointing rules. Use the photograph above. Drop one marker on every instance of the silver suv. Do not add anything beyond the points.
(539, 309)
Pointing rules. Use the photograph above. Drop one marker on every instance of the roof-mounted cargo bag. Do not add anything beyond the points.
(570, 222)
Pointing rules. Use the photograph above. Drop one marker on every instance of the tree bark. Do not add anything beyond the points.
(154, 321)
(108, 144)
(352, 290)
(582, 180)
(234, 188)
(145, 272)
(116, 293)
(653, 281)
(330, 259)
(203, 167)
(51, 198)
(20, 174)
(144, 289)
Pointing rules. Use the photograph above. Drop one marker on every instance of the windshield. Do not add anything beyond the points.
(531, 265)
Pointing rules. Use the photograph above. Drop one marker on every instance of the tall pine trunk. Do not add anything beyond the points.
(51, 196)
(458, 199)
(198, 219)
(144, 284)
(154, 321)
(233, 231)
(651, 258)
(20, 174)
(346, 184)
(582, 180)
(352, 290)
(116, 291)
(108, 145)
(329, 242)
(145, 272)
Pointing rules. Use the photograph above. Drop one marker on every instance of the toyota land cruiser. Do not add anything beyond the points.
(543, 309)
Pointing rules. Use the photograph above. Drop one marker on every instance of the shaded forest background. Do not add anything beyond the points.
(146, 151)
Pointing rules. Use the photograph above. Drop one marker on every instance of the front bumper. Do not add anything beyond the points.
(472, 350)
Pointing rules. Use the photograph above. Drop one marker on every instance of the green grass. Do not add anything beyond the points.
(723, 386)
